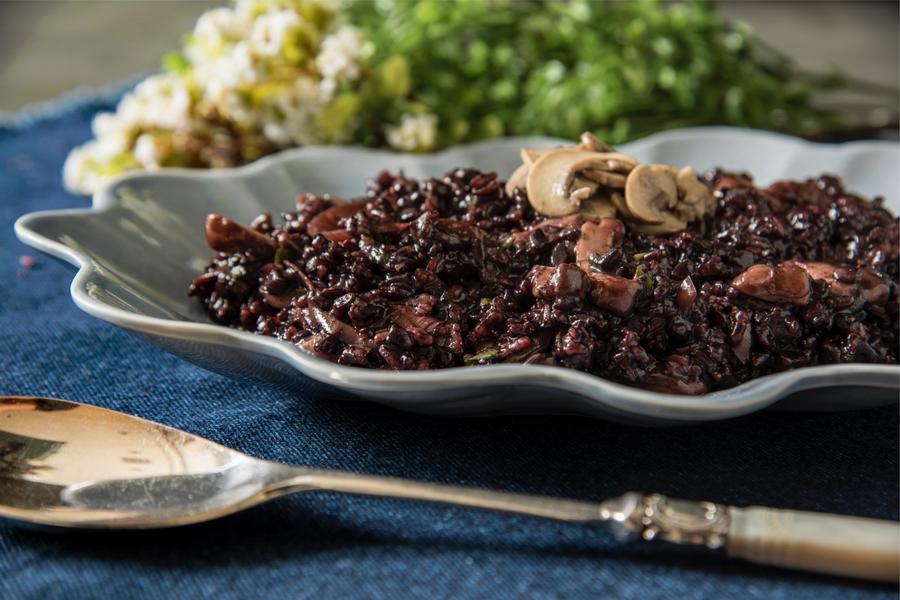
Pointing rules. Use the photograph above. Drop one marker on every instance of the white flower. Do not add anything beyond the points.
(272, 29)
(236, 69)
(219, 23)
(79, 175)
(159, 101)
(339, 56)
(275, 132)
(112, 136)
(327, 88)
(214, 31)
(244, 68)
(232, 105)
(415, 133)
(146, 151)
(105, 123)
(300, 107)
(246, 10)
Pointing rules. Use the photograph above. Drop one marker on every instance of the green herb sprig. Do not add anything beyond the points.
(559, 67)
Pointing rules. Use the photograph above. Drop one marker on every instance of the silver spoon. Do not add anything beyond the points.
(72, 465)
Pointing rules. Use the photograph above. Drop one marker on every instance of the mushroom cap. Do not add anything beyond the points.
(561, 178)
(650, 193)
(529, 155)
(607, 178)
(694, 193)
(582, 188)
(618, 200)
(597, 208)
(518, 179)
(669, 224)
(589, 141)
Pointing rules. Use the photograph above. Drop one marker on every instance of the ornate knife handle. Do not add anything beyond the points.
(820, 542)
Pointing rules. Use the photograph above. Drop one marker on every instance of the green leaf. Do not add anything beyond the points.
(336, 118)
(175, 62)
(394, 80)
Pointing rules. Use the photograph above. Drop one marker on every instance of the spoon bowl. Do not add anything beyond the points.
(77, 465)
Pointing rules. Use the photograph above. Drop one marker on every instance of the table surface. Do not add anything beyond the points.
(325, 545)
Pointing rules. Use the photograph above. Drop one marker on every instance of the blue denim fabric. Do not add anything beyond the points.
(332, 546)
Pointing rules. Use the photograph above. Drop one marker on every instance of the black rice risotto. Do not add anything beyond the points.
(454, 271)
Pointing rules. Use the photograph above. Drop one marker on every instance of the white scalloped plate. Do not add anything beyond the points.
(141, 243)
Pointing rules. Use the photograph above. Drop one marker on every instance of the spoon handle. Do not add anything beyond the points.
(824, 543)
(537, 506)
(818, 542)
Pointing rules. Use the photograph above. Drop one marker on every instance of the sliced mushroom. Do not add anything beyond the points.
(872, 287)
(589, 141)
(597, 238)
(788, 282)
(529, 155)
(327, 220)
(825, 272)
(617, 162)
(555, 183)
(597, 207)
(650, 192)
(658, 199)
(563, 280)
(618, 200)
(606, 178)
(686, 295)
(613, 293)
(517, 179)
(582, 188)
(224, 235)
(699, 200)
(669, 224)
(553, 228)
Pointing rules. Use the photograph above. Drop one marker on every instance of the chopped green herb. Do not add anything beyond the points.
(283, 254)
(645, 277)
(483, 355)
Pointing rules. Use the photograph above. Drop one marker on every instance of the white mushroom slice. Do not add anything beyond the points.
(694, 193)
(616, 165)
(618, 162)
(529, 155)
(518, 179)
(597, 208)
(589, 141)
(618, 201)
(555, 187)
(582, 188)
(687, 212)
(650, 193)
(613, 180)
(670, 224)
